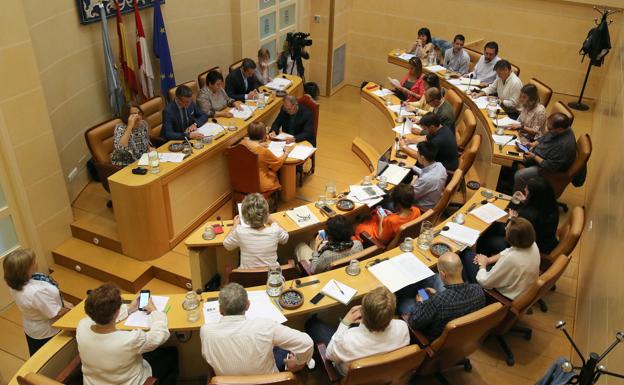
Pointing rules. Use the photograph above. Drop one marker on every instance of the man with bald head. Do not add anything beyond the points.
(457, 299)
(442, 108)
(295, 120)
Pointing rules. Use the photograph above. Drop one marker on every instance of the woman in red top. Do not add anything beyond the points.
(383, 227)
(412, 86)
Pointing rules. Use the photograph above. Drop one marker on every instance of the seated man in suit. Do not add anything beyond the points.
(295, 120)
(442, 108)
(433, 131)
(553, 152)
(182, 117)
(236, 346)
(376, 333)
(241, 84)
(457, 299)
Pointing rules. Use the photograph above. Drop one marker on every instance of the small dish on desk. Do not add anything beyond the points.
(176, 147)
(291, 299)
(345, 204)
(439, 248)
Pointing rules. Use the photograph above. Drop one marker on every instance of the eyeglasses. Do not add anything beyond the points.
(303, 218)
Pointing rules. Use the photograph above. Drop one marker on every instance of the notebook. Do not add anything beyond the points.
(279, 84)
(395, 174)
(400, 271)
(140, 319)
(210, 129)
(339, 291)
(301, 152)
(245, 113)
(460, 233)
(302, 216)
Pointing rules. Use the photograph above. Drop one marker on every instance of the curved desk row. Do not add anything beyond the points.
(154, 212)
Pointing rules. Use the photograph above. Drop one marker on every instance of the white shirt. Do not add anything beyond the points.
(236, 346)
(115, 358)
(484, 71)
(514, 273)
(39, 302)
(428, 185)
(508, 91)
(458, 62)
(350, 344)
(258, 246)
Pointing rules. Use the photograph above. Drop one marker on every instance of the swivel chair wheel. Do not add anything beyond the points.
(510, 361)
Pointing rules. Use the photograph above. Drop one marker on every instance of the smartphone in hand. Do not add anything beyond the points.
(144, 299)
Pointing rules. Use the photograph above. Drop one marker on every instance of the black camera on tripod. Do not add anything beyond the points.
(297, 42)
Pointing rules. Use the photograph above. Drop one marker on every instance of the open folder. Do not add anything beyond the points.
(400, 271)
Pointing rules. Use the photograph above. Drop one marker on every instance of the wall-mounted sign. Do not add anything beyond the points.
(89, 12)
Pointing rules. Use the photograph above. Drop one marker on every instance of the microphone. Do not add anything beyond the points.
(497, 112)
(470, 81)
(220, 220)
(189, 143)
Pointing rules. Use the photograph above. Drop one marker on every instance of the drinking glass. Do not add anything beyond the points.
(191, 305)
(330, 193)
(275, 280)
(426, 236)
(382, 182)
(154, 162)
(407, 245)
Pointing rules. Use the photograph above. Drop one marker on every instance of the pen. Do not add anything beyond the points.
(336, 283)
(167, 308)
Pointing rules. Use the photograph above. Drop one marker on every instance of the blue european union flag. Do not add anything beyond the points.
(161, 51)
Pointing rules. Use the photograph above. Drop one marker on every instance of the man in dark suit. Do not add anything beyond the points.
(241, 84)
(182, 117)
(294, 120)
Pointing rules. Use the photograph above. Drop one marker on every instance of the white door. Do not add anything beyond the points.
(9, 235)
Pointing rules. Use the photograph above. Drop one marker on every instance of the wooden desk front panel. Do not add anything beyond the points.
(376, 122)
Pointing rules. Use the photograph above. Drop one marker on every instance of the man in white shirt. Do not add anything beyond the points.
(236, 346)
(456, 59)
(484, 69)
(376, 333)
(507, 86)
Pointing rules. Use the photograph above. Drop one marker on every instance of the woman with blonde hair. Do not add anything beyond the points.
(532, 119)
(257, 235)
(262, 70)
(36, 295)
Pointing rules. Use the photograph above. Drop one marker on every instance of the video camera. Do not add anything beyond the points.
(297, 41)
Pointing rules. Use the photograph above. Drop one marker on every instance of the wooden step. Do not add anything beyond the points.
(96, 229)
(72, 284)
(160, 287)
(103, 264)
(174, 268)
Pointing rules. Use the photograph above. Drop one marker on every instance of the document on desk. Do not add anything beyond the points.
(240, 216)
(260, 307)
(301, 152)
(140, 319)
(394, 174)
(460, 233)
(382, 92)
(368, 202)
(406, 56)
(363, 193)
(279, 84)
(143, 160)
(210, 129)
(283, 136)
(504, 122)
(173, 157)
(396, 108)
(481, 102)
(406, 127)
(339, 291)
(400, 271)
(489, 213)
(244, 113)
(473, 82)
(435, 68)
(302, 216)
(277, 148)
(503, 139)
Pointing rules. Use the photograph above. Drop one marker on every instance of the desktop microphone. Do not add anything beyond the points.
(220, 220)
(215, 121)
(469, 81)
(497, 112)
(189, 143)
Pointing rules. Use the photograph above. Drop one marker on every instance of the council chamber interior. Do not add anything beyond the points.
(163, 227)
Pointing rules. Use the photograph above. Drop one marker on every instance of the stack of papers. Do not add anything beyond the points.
(406, 56)
(279, 84)
(396, 108)
(301, 152)
(172, 157)
(394, 174)
(504, 122)
(435, 68)
(244, 113)
(382, 92)
(400, 271)
(363, 193)
(489, 213)
(406, 127)
(473, 82)
(339, 291)
(260, 307)
(481, 102)
(302, 216)
(503, 139)
(368, 202)
(140, 319)
(277, 148)
(461, 234)
(210, 129)
(283, 136)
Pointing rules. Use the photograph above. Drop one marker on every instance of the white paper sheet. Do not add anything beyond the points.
(260, 306)
(394, 174)
(435, 68)
(277, 148)
(302, 216)
(406, 56)
(363, 193)
(301, 152)
(245, 113)
(279, 84)
(283, 136)
(461, 234)
(333, 289)
(173, 157)
(383, 92)
(368, 202)
(501, 139)
(240, 216)
(473, 82)
(489, 213)
(455, 82)
(143, 160)
(504, 122)
(210, 129)
(400, 271)
(140, 319)
(481, 102)
(404, 112)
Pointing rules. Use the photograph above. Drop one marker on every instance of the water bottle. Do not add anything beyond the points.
(191, 305)
(275, 281)
(426, 236)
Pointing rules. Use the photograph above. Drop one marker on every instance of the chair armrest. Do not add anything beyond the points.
(497, 297)
(368, 241)
(72, 368)
(305, 267)
(327, 364)
(418, 337)
(150, 381)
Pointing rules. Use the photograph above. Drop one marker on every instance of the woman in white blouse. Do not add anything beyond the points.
(36, 296)
(257, 236)
(112, 356)
(515, 269)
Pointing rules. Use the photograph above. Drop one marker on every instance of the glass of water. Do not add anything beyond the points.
(154, 162)
(275, 280)
(426, 236)
(330, 193)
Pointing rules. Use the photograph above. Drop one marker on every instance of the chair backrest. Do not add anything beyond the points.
(282, 378)
(192, 84)
(392, 368)
(450, 189)
(468, 156)
(455, 101)
(236, 65)
(515, 69)
(474, 56)
(201, 78)
(462, 337)
(258, 276)
(309, 102)
(100, 140)
(240, 161)
(152, 113)
(561, 107)
(569, 234)
(410, 229)
(465, 129)
(366, 253)
(560, 180)
(544, 92)
(36, 379)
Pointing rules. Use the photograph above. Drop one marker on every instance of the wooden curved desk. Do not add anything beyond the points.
(154, 212)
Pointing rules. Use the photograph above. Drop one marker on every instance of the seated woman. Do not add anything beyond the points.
(36, 295)
(262, 70)
(112, 356)
(411, 87)
(131, 138)
(532, 113)
(383, 226)
(258, 236)
(515, 269)
(423, 45)
(320, 253)
(213, 99)
(267, 161)
(420, 106)
(539, 206)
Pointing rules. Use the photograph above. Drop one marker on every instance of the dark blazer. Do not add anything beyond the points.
(235, 85)
(300, 125)
(447, 115)
(172, 127)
